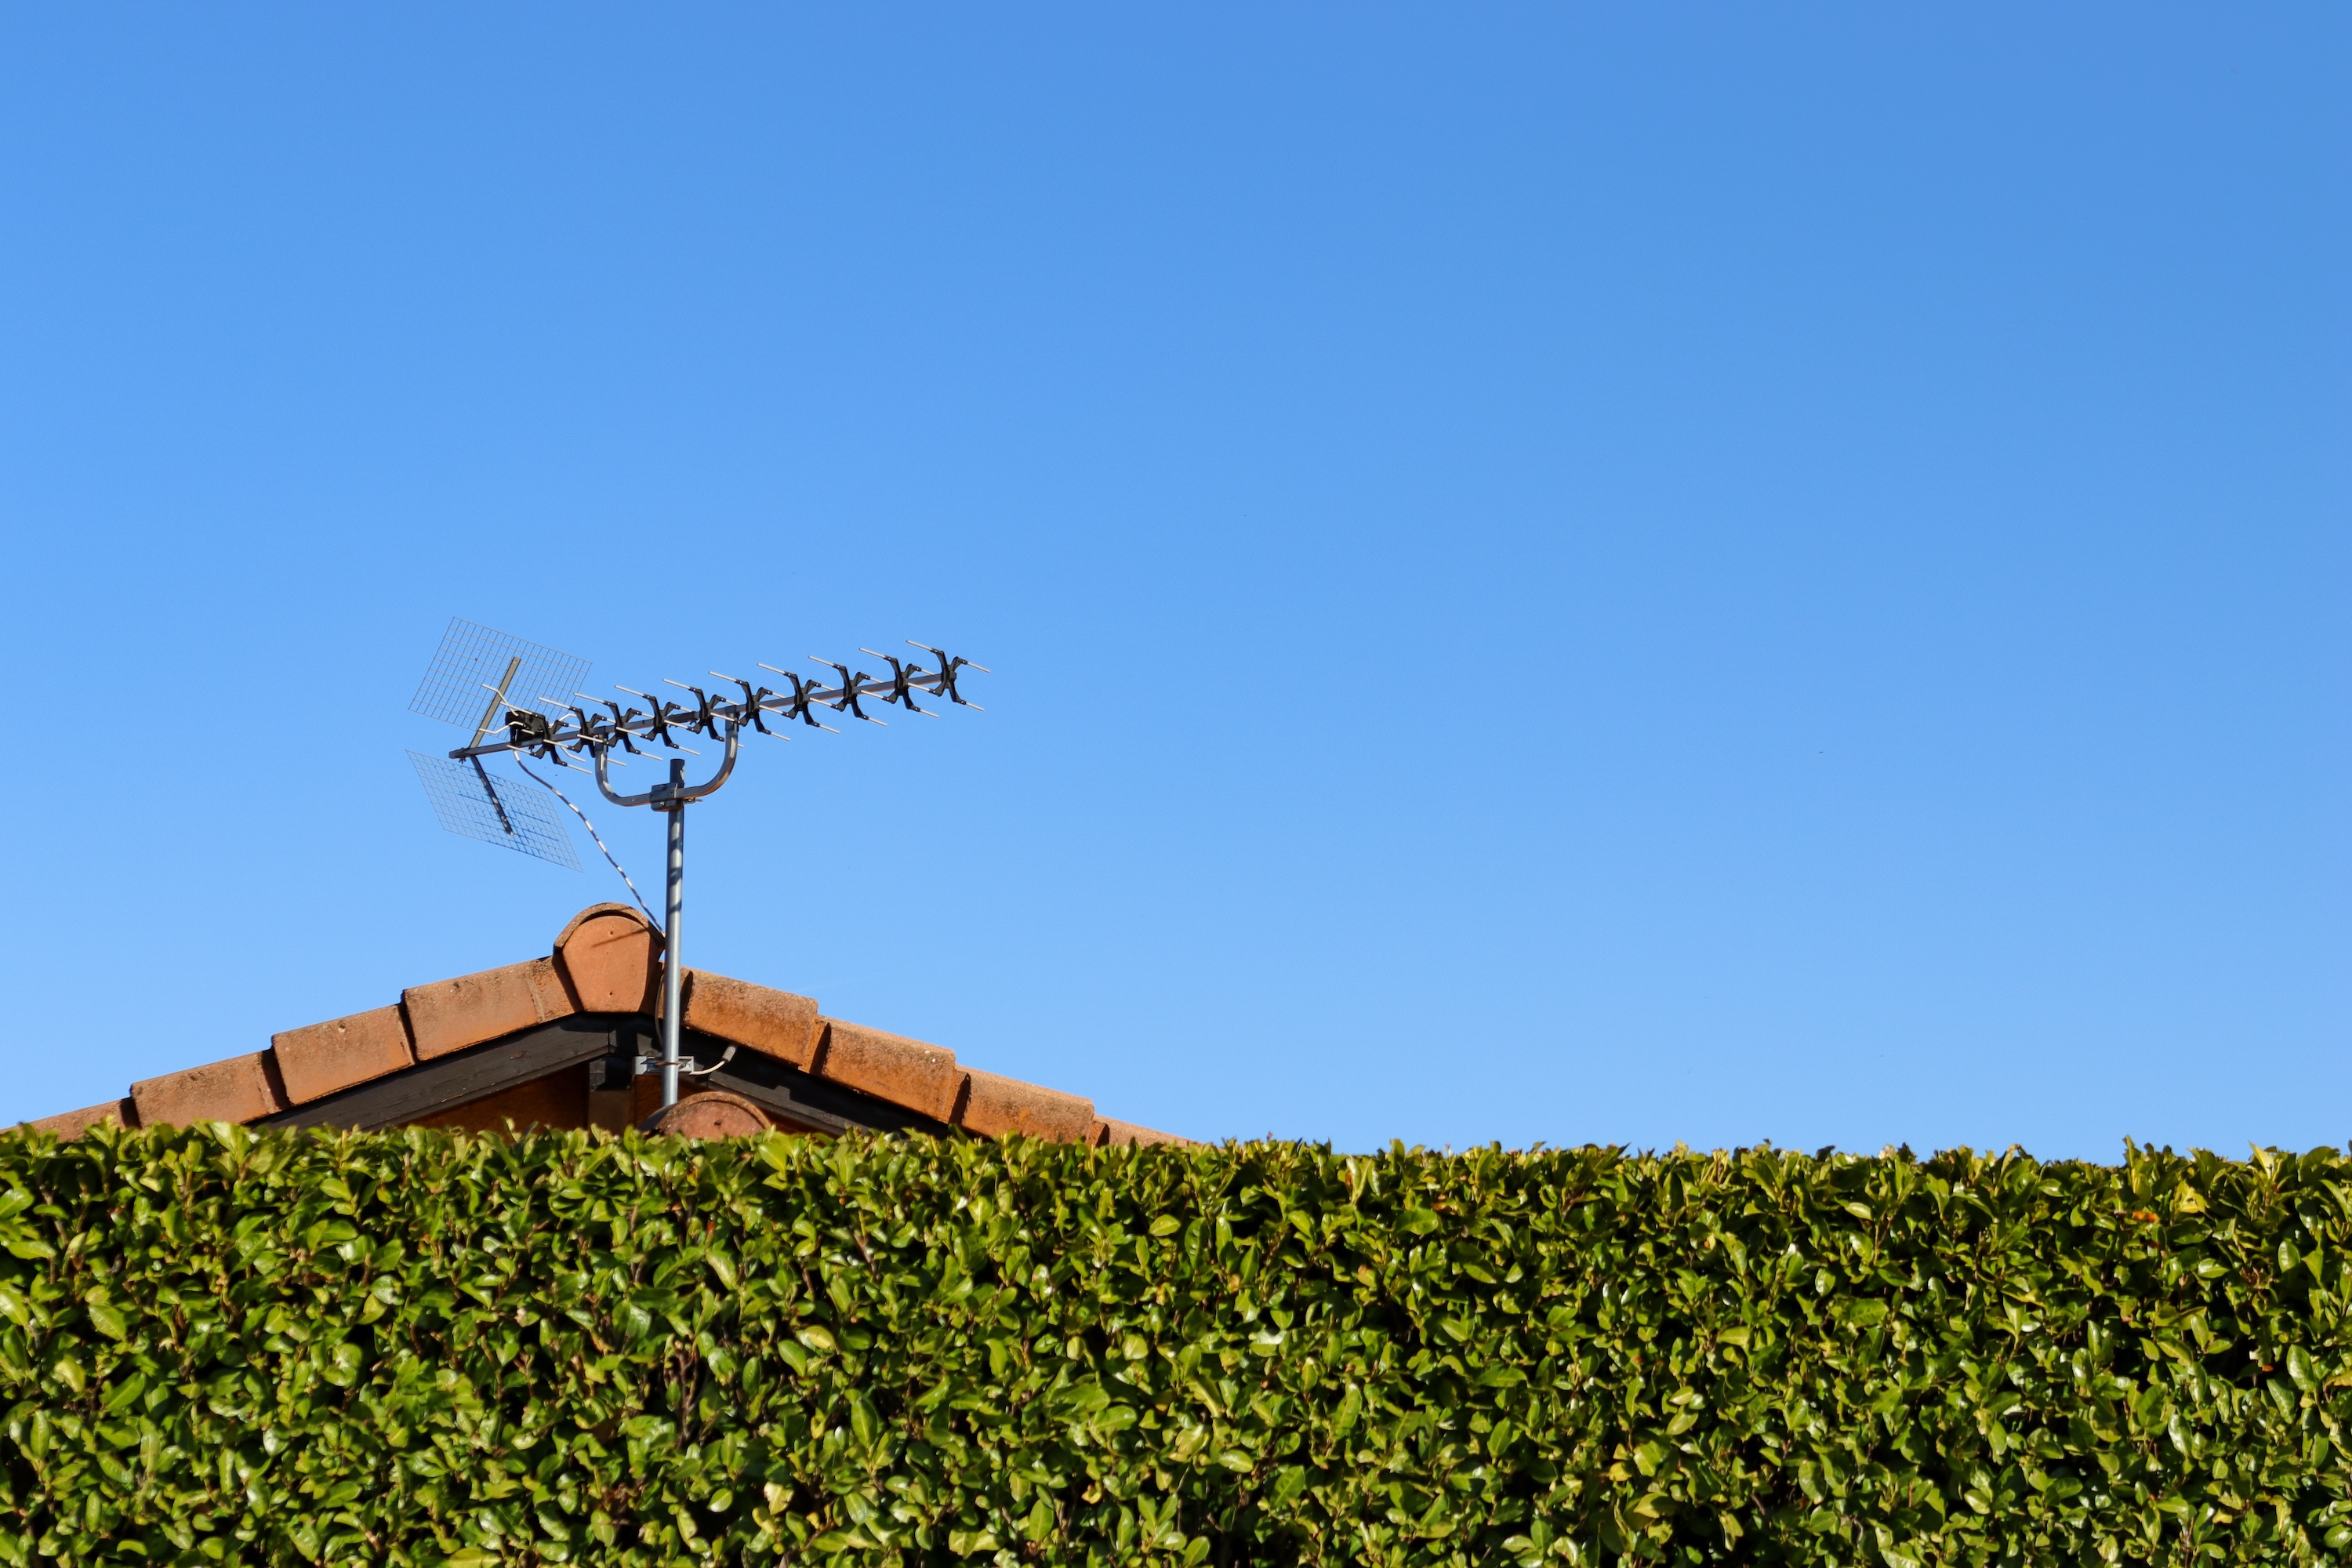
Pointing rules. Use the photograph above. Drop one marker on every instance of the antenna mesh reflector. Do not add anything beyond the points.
(458, 685)
(508, 815)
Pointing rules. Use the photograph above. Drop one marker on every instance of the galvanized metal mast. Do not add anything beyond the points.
(673, 795)
(673, 952)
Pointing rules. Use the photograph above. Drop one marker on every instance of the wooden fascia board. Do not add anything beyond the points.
(446, 1082)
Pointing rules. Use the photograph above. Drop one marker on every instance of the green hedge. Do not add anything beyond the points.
(424, 1348)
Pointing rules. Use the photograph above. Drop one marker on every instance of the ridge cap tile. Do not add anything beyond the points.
(1115, 1133)
(321, 1060)
(996, 1106)
(235, 1088)
(609, 961)
(915, 1075)
(69, 1125)
(600, 911)
(780, 1024)
(448, 1015)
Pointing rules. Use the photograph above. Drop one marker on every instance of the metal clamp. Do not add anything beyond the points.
(687, 1066)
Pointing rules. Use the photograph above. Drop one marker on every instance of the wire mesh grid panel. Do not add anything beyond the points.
(495, 810)
(475, 662)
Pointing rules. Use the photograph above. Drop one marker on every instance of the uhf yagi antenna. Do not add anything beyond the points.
(521, 697)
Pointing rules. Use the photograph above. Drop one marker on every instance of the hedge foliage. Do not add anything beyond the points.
(226, 1347)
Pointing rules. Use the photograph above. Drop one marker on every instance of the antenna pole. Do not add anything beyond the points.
(673, 971)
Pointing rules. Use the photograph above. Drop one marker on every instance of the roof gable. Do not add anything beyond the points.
(531, 1038)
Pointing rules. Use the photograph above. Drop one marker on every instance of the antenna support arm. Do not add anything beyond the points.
(670, 797)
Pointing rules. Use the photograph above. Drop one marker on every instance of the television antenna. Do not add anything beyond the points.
(524, 699)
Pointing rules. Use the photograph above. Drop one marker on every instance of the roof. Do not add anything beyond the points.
(552, 1040)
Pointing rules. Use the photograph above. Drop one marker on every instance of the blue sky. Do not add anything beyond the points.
(1554, 572)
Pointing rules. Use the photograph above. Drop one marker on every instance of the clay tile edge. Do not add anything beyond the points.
(609, 958)
(67, 1125)
(598, 911)
(450, 1015)
(321, 1060)
(1113, 1134)
(995, 1106)
(712, 1113)
(778, 1024)
(914, 1074)
(240, 1089)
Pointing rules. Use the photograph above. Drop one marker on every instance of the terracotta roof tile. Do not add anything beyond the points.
(611, 959)
(1116, 1134)
(712, 1113)
(72, 1124)
(994, 1107)
(317, 1061)
(773, 1023)
(450, 1015)
(923, 1078)
(242, 1089)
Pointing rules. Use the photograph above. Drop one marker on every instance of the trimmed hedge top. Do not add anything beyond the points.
(221, 1347)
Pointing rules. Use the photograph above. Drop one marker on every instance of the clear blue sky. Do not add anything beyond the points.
(1555, 572)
